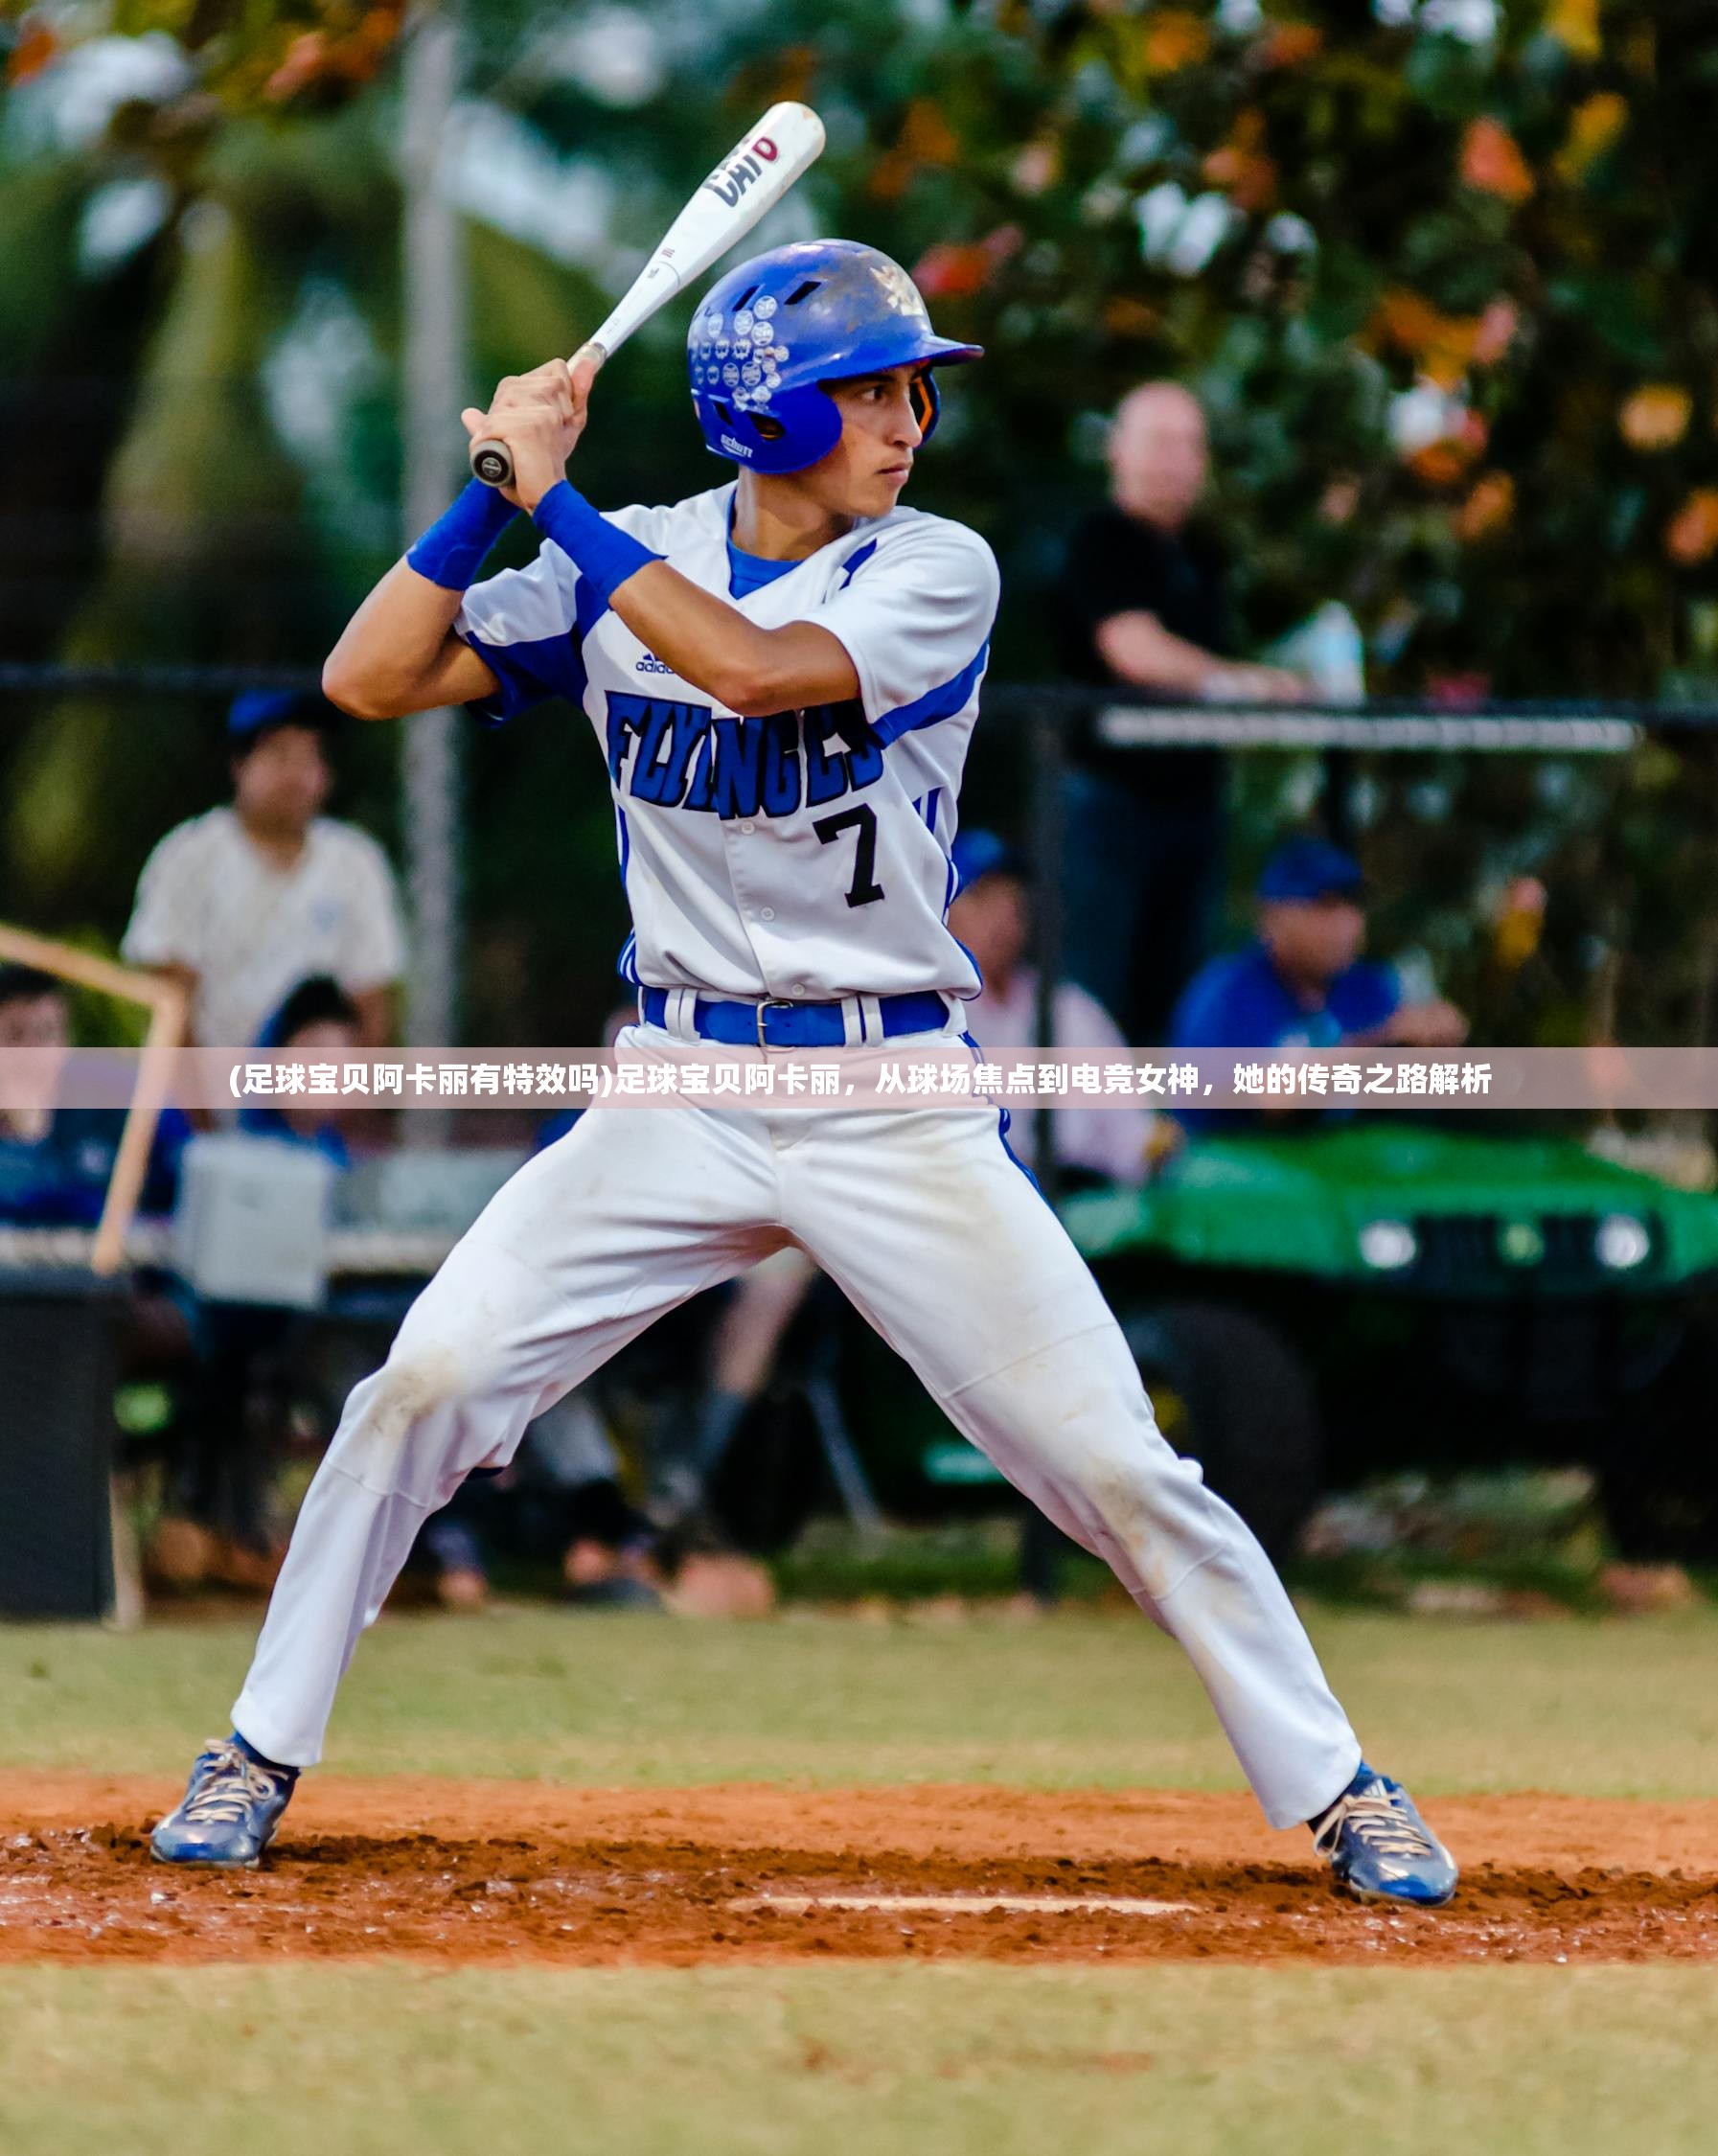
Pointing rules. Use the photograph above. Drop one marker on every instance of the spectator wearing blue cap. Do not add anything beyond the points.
(244, 901)
(1302, 982)
(992, 918)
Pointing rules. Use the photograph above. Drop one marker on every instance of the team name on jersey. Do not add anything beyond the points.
(680, 756)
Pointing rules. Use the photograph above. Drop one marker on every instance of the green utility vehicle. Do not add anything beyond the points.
(1311, 1309)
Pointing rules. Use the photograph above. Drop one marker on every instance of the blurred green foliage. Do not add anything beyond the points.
(1445, 274)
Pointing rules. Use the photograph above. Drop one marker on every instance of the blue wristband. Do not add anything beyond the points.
(602, 554)
(458, 544)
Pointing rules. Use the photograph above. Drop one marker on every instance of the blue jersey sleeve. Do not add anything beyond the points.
(525, 624)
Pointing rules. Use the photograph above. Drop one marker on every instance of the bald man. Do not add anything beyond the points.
(1140, 602)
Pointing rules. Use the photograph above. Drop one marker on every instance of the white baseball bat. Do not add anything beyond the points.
(750, 179)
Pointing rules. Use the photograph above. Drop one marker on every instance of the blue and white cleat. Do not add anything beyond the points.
(1380, 1848)
(228, 1814)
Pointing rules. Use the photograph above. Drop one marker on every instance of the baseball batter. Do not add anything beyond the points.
(783, 677)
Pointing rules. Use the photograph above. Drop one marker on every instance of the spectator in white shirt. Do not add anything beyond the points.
(991, 917)
(244, 903)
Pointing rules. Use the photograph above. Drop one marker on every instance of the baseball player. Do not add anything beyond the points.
(783, 677)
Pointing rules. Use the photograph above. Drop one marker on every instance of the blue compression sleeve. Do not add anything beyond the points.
(458, 544)
(602, 554)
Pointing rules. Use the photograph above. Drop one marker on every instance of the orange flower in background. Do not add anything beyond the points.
(1174, 39)
(1292, 44)
(1441, 346)
(1656, 417)
(36, 48)
(926, 138)
(1594, 127)
(330, 57)
(1407, 319)
(1574, 25)
(1487, 509)
(1693, 533)
(1441, 463)
(1517, 921)
(1492, 161)
(1241, 168)
(1124, 317)
(953, 269)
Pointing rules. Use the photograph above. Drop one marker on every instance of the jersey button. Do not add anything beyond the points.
(766, 913)
(747, 829)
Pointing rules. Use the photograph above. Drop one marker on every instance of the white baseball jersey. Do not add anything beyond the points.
(804, 855)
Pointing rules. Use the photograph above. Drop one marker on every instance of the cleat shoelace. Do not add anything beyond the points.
(1379, 1822)
(229, 1789)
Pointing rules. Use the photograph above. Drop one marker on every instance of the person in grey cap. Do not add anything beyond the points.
(1302, 982)
(244, 901)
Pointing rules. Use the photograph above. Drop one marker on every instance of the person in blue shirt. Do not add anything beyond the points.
(1302, 982)
(319, 1018)
(55, 1162)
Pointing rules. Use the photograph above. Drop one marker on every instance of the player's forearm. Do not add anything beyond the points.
(748, 668)
(399, 653)
(751, 670)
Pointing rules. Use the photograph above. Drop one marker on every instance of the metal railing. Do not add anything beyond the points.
(1055, 716)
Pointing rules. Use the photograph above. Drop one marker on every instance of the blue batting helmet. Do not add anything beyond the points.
(771, 332)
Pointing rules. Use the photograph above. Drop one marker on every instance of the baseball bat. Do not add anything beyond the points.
(749, 180)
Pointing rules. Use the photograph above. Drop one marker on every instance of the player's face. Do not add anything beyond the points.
(283, 783)
(1312, 940)
(864, 474)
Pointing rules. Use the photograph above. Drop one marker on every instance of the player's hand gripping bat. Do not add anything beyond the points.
(752, 178)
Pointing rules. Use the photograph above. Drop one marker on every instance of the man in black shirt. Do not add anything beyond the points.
(1140, 603)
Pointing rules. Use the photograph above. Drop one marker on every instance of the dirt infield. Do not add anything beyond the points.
(469, 1871)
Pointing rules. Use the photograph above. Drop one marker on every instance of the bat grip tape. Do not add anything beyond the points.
(604, 555)
(458, 544)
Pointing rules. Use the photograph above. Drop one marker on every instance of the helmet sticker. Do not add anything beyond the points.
(899, 290)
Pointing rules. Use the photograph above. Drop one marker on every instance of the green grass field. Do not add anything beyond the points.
(851, 2061)
(1599, 1707)
(348, 2060)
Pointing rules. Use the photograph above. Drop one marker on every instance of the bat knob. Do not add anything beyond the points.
(491, 461)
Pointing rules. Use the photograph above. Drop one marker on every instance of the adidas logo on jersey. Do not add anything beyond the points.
(652, 664)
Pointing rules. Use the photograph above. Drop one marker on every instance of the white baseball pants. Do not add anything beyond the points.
(928, 1224)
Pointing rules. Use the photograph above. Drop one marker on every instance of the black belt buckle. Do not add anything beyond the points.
(769, 1003)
